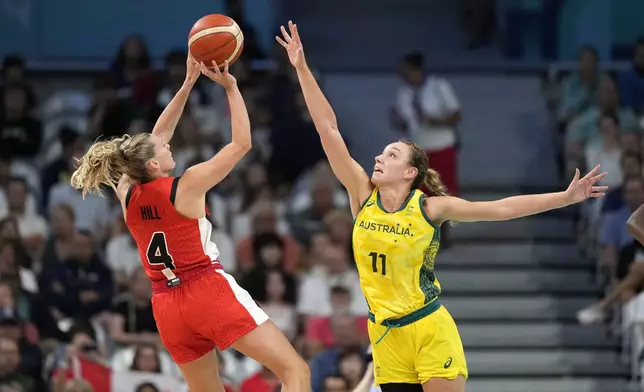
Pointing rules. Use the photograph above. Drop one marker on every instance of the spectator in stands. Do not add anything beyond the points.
(146, 359)
(14, 73)
(147, 387)
(77, 386)
(631, 82)
(11, 267)
(82, 285)
(585, 128)
(93, 213)
(276, 293)
(336, 384)
(262, 381)
(11, 379)
(326, 363)
(31, 360)
(261, 133)
(580, 87)
(294, 128)
(311, 220)
(254, 180)
(339, 225)
(110, 115)
(614, 234)
(81, 358)
(630, 166)
(315, 258)
(428, 111)
(351, 366)
(133, 71)
(10, 168)
(131, 318)
(122, 257)
(20, 132)
(60, 170)
(607, 151)
(318, 330)
(190, 145)
(9, 232)
(321, 173)
(265, 221)
(32, 227)
(630, 276)
(60, 244)
(315, 289)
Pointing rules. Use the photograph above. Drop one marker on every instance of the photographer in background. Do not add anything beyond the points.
(81, 358)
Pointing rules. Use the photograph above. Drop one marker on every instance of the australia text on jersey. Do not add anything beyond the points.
(387, 229)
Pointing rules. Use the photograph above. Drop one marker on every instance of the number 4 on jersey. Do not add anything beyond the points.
(158, 251)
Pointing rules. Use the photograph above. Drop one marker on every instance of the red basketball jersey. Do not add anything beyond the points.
(165, 238)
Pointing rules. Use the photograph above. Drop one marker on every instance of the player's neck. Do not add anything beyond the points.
(392, 198)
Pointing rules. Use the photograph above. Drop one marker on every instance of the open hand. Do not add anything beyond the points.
(292, 43)
(193, 71)
(224, 79)
(581, 189)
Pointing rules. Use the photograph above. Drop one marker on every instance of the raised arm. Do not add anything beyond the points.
(167, 122)
(198, 179)
(446, 208)
(346, 169)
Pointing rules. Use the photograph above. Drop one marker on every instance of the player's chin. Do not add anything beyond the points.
(171, 165)
(376, 178)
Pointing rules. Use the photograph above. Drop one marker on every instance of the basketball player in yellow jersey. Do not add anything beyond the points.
(416, 345)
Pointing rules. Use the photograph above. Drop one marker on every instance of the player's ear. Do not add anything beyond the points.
(153, 164)
(410, 173)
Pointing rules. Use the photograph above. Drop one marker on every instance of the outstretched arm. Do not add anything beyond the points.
(445, 208)
(198, 179)
(346, 169)
(167, 122)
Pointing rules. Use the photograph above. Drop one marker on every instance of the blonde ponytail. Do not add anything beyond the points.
(106, 161)
(433, 182)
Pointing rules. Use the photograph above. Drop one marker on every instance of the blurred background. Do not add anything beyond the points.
(517, 94)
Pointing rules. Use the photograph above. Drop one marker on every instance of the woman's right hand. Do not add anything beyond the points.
(224, 79)
(293, 44)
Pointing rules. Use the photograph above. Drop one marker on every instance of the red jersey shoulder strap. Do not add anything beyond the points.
(173, 189)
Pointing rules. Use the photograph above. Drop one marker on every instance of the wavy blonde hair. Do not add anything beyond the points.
(106, 161)
(426, 175)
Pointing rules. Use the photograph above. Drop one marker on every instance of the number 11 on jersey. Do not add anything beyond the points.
(158, 251)
(374, 262)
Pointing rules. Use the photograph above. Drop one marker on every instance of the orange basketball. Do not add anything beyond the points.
(215, 38)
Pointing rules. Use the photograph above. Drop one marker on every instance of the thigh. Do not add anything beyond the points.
(393, 355)
(183, 343)
(217, 308)
(267, 345)
(440, 353)
(202, 374)
(399, 387)
(444, 385)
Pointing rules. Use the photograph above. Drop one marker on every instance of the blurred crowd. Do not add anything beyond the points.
(75, 312)
(600, 114)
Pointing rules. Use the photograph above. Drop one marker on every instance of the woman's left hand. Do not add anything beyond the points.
(193, 70)
(581, 189)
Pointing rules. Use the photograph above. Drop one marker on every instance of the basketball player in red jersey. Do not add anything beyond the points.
(197, 306)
